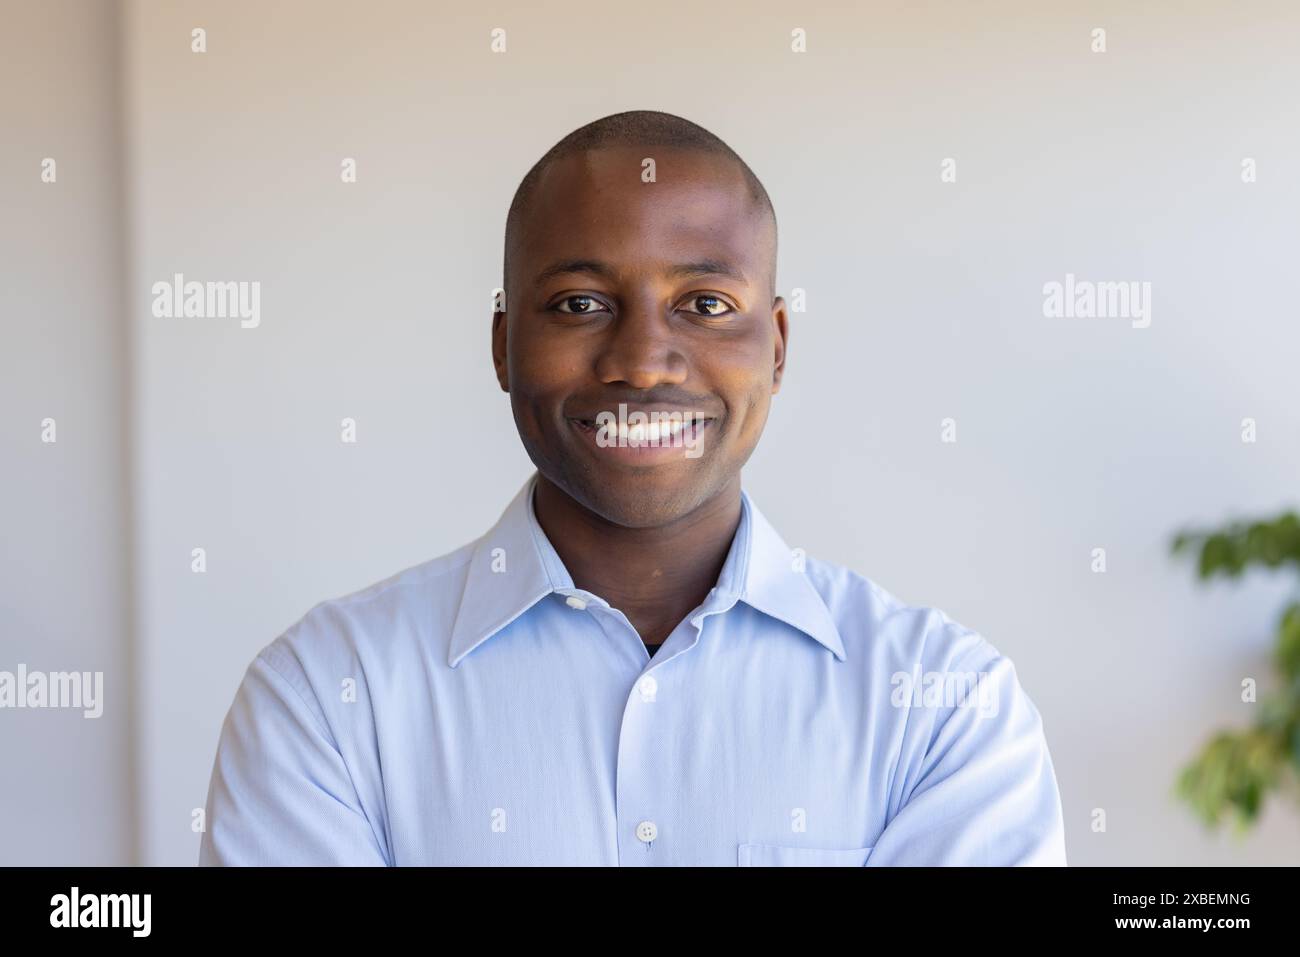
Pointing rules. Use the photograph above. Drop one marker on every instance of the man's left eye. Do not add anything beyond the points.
(710, 305)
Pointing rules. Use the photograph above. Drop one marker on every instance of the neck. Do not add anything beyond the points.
(654, 576)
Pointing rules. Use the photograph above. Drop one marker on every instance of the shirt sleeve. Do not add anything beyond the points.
(281, 793)
(978, 781)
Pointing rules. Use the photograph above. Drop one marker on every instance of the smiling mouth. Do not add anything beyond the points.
(661, 431)
(646, 444)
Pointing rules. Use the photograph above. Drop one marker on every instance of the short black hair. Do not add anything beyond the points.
(649, 128)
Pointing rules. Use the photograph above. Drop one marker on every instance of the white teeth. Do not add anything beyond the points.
(648, 428)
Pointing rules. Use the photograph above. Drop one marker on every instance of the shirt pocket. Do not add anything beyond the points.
(780, 855)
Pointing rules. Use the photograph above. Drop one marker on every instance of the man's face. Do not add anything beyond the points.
(618, 293)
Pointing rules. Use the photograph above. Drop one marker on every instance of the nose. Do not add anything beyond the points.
(641, 350)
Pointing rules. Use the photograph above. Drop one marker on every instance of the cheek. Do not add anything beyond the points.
(539, 369)
(756, 408)
(743, 377)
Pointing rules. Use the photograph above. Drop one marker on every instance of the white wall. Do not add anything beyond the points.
(924, 302)
(65, 568)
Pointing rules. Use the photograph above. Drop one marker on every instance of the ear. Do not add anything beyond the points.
(781, 337)
(499, 325)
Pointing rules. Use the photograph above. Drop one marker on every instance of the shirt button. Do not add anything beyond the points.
(648, 686)
(573, 601)
(646, 831)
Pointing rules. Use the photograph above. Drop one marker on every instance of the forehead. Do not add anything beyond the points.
(596, 205)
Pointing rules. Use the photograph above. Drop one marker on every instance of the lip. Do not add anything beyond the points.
(668, 449)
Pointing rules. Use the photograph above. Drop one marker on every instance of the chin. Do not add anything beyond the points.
(638, 502)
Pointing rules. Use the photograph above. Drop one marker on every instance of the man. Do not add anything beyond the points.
(632, 668)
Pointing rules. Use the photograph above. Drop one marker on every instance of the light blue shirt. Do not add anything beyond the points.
(479, 709)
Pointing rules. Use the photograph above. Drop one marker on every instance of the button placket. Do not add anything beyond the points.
(639, 790)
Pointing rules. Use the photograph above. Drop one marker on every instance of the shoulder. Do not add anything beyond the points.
(878, 626)
(401, 613)
(951, 691)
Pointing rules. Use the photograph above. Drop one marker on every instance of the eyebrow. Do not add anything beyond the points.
(701, 267)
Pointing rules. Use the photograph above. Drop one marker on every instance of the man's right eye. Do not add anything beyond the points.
(578, 305)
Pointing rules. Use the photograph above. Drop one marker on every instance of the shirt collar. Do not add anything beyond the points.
(514, 566)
